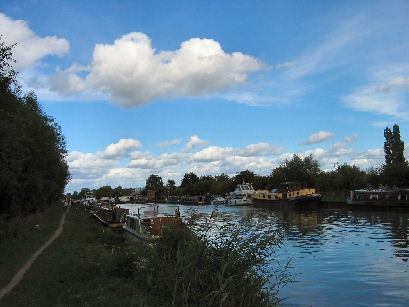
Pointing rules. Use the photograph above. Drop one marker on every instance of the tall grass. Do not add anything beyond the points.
(91, 265)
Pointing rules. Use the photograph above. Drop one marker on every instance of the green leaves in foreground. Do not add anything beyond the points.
(229, 269)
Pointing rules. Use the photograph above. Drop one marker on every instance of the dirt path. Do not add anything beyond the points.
(20, 274)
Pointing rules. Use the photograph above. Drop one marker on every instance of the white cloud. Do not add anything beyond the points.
(138, 155)
(252, 99)
(395, 82)
(369, 99)
(121, 148)
(194, 142)
(318, 137)
(286, 64)
(385, 92)
(261, 149)
(339, 149)
(383, 124)
(97, 169)
(171, 143)
(88, 165)
(30, 48)
(212, 153)
(66, 83)
(133, 73)
(351, 139)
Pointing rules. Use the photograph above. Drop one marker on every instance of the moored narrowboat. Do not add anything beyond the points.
(150, 226)
(111, 216)
(398, 197)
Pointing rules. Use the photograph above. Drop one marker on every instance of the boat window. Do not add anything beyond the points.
(373, 197)
(269, 196)
(402, 196)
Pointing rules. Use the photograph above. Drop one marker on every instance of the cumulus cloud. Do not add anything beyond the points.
(133, 73)
(121, 148)
(30, 48)
(318, 137)
(261, 149)
(194, 142)
(102, 168)
(66, 83)
(88, 165)
(212, 153)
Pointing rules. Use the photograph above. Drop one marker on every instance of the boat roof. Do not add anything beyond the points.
(382, 190)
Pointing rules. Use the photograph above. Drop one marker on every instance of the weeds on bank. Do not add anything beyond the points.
(21, 236)
(91, 265)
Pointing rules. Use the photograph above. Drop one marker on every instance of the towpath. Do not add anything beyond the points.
(20, 274)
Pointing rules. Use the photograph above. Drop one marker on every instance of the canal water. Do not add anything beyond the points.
(338, 255)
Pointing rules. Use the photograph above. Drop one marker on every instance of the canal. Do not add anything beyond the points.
(338, 255)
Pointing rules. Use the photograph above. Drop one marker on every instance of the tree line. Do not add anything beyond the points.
(33, 169)
(393, 173)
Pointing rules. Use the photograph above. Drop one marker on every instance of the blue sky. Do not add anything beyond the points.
(168, 87)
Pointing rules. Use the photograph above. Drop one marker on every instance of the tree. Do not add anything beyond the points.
(105, 191)
(171, 186)
(222, 177)
(154, 182)
(395, 171)
(299, 170)
(33, 166)
(7, 73)
(189, 178)
(244, 176)
(260, 182)
(117, 192)
(349, 177)
(393, 146)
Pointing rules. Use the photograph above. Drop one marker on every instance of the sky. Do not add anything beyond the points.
(211, 87)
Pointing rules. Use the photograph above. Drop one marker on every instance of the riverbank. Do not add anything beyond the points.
(334, 196)
(91, 265)
(20, 237)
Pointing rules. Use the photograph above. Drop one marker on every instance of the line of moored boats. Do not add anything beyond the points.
(148, 223)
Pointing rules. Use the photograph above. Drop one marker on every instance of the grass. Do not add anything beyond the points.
(90, 265)
(20, 237)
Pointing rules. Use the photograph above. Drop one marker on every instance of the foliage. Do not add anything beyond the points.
(33, 169)
(189, 178)
(91, 266)
(171, 186)
(154, 182)
(296, 169)
(105, 191)
(7, 73)
(244, 176)
(393, 146)
(396, 169)
(226, 268)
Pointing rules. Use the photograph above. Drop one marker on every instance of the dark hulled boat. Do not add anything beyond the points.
(380, 197)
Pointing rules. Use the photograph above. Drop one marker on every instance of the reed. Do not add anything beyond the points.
(91, 265)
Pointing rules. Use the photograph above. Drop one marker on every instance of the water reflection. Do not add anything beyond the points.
(339, 256)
